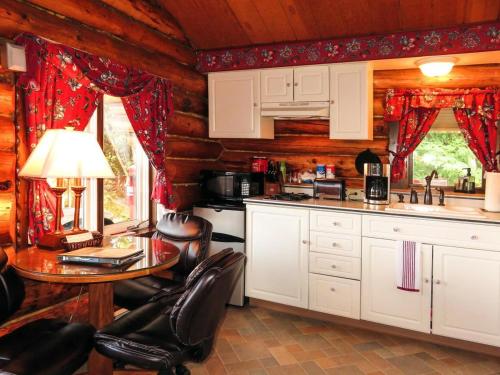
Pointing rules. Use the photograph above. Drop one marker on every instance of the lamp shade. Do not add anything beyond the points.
(65, 153)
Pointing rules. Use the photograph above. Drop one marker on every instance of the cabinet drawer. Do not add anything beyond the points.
(438, 232)
(335, 222)
(337, 244)
(335, 265)
(333, 295)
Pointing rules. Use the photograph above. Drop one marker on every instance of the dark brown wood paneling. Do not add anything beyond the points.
(189, 125)
(192, 148)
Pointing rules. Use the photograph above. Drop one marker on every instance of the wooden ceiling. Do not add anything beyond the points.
(212, 24)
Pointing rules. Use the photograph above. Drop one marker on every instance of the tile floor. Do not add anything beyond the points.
(257, 341)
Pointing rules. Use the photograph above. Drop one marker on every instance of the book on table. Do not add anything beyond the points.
(107, 255)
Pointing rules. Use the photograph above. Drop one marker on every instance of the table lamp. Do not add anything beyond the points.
(66, 154)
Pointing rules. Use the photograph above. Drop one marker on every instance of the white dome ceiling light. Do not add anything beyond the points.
(436, 66)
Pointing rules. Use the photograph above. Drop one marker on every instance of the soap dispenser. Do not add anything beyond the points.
(469, 185)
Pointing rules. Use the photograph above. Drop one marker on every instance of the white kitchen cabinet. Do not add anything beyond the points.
(276, 85)
(381, 300)
(351, 101)
(311, 83)
(302, 84)
(466, 294)
(333, 295)
(277, 254)
(234, 106)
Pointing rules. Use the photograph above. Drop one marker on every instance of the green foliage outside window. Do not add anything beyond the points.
(448, 153)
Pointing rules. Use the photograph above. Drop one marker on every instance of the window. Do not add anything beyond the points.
(445, 150)
(124, 200)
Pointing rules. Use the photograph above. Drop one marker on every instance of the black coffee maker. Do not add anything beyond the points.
(377, 183)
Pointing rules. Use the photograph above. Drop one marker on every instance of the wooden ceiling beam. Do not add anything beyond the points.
(96, 14)
(18, 16)
(150, 14)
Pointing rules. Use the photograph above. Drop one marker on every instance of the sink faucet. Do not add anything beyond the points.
(428, 193)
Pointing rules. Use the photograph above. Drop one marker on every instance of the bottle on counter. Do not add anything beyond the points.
(320, 171)
(330, 171)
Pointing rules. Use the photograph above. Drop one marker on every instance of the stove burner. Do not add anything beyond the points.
(289, 197)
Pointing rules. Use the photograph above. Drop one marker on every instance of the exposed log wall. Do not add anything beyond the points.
(133, 32)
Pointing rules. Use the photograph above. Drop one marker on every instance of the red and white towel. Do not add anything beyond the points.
(409, 266)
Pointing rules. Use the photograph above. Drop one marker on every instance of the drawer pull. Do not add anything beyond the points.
(334, 266)
(438, 282)
(332, 289)
(474, 237)
(304, 242)
(335, 224)
(395, 229)
(334, 244)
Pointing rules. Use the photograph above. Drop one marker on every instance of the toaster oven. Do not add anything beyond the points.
(333, 189)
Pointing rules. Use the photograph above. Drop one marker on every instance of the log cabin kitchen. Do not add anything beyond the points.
(249, 187)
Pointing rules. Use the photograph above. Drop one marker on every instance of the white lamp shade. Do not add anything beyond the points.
(64, 153)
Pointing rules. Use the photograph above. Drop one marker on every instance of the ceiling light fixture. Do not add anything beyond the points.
(436, 66)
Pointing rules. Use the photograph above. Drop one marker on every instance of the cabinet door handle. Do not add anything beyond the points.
(426, 280)
(334, 244)
(255, 105)
(438, 282)
(334, 266)
(332, 289)
(332, 101)
(395, 229)
(304, 242)
(288, 84)
(335, 224)
(296, 84)
(474, 237)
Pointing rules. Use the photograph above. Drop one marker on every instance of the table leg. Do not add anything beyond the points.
(101, 311)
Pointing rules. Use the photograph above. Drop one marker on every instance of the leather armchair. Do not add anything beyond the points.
(173, 329)
(42, 347)
(191, 234)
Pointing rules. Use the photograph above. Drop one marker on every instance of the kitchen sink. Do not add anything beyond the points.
(428, 210)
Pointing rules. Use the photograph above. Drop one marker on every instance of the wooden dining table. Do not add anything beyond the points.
(42, 265)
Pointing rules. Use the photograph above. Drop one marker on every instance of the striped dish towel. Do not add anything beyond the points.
(409, 266)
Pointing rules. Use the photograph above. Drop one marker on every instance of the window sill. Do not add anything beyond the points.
(447, 193)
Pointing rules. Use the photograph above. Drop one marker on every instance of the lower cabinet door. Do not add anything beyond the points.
(277, 252)
(466, 294)
(381, 300)
(334, 295)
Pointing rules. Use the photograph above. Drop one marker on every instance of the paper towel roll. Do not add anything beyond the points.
(492, 193)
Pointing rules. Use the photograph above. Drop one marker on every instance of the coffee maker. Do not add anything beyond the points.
(377, 183)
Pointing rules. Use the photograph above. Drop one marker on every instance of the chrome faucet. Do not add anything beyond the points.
(428, 192)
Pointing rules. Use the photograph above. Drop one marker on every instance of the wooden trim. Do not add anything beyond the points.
(100, 181)
(376, 327)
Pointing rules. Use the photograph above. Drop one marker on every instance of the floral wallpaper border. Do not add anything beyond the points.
(478, 38)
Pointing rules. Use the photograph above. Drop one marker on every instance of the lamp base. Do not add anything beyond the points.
(52, 241)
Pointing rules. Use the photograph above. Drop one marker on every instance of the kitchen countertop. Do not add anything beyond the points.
(357, 206)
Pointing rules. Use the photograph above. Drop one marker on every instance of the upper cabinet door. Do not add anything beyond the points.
(276, 85)
(234, 106)
(466, 294)
(351, 101)
(311, 83)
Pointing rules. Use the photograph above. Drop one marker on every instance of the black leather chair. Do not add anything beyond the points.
(173, 329)
(191, 234)
(42, 347)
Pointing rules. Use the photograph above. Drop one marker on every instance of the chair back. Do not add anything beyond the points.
(197, 314)
(190, 234)
(11, 289)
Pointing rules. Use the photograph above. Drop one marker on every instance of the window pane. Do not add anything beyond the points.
(124, 153)
(449, 154)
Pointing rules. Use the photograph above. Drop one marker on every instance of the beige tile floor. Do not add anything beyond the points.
(257, 341)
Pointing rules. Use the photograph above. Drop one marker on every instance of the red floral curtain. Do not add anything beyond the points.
(55, 97)
(63, 87)
(477, 112)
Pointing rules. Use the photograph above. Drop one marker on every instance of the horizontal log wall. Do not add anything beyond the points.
(137, 33)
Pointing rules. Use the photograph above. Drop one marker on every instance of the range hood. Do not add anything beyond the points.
(296, 110)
